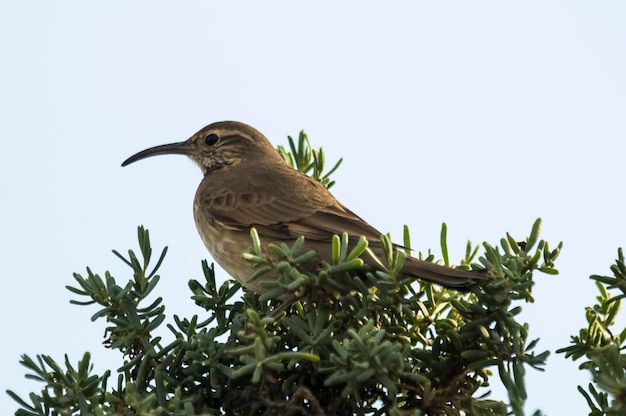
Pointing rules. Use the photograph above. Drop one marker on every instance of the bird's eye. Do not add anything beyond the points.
(211, 139)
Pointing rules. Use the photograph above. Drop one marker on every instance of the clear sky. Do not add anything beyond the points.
(485, 115)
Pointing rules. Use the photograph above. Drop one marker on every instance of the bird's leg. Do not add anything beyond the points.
(286, 304)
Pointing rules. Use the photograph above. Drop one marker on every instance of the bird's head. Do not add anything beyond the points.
(218, 145)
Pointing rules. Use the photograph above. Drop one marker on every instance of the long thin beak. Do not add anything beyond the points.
(181, 148)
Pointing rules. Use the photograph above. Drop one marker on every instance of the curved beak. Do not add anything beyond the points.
(181, 148)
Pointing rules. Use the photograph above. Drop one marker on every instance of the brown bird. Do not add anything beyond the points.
(248, 184)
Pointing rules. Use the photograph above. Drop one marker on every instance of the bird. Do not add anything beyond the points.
(248, 184)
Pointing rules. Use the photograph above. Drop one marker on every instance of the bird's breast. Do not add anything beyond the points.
(226, 246)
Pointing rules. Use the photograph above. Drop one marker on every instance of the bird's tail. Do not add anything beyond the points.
(441, 275)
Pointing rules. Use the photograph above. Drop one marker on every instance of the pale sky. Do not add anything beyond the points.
(484, 115)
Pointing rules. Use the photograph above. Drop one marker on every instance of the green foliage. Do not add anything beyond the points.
(70, 391)
(602, 345)
(389, 345)
(308, 160)
(344, 340)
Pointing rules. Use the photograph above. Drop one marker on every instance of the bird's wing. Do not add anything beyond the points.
(297, 207)
(330, 220)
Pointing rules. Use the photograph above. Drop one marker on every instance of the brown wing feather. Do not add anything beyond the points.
(323, 224)
(296, 206)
